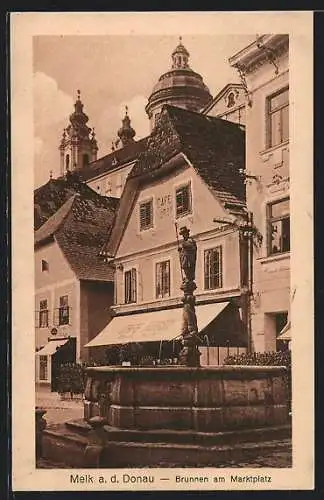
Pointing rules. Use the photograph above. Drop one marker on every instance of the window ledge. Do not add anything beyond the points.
(274, 258)
(146, 229)
(182, 216)
(273, 148)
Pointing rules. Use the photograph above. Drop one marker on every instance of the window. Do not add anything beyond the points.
(85, 160)
(43, 314)
(162, 279)
(146, 215)
(278, 118)
(213, 268)
(130, 286)
(67, 162)
(64, 310)
(183, 200)
(156, 119)
(281, 320)
(44, 265)
(43, 368)
(278, 227)
(230, 100)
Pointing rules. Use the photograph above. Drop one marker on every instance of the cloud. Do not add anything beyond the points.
(51, 105)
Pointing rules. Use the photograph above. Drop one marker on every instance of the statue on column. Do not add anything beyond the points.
(188, 255)
(189, 355)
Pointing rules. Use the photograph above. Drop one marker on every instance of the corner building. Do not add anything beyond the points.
(264, 69)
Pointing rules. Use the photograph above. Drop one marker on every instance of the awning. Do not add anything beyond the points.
(285, 333)
(153, 326)
(51, 347)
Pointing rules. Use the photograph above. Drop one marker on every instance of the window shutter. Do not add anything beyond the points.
(146, 215)
(134, 285)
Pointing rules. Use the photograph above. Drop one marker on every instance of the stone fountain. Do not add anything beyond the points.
(181, 415)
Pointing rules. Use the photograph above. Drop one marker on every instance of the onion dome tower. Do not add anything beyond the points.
(126, 133)
(180, 86)
(78, 145)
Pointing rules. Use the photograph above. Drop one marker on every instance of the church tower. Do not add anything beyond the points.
(78, 145)
(180, 86)
(126, 133)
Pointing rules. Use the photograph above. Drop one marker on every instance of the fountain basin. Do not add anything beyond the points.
(221, 398)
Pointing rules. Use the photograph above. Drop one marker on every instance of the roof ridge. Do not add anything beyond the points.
(55, 221)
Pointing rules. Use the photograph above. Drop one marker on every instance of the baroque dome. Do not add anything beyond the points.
(180, 86)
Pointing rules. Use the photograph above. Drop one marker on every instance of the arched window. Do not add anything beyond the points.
(230, 100)
(67, 162)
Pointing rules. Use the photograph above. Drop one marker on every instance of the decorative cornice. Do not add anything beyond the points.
(266, 48)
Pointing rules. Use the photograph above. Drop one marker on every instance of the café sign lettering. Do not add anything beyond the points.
(164, 205)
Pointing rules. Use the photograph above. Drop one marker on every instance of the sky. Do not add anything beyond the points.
(111, 72)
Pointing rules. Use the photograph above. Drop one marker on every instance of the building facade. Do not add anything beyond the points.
(73, 288)
(188, 176)
(228, 104)
(264, 66)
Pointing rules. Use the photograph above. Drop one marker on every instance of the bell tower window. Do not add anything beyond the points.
(67, 162)
(85, 160)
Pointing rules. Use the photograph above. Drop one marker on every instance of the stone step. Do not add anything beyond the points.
(150, 455)
(126, 448)
(166, 435)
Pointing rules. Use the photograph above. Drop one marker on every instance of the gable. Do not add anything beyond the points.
(58, 270)
(162, 193)
(227, 100)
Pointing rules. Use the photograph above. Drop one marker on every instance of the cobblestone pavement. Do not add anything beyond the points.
(58, 411)
(276, 459)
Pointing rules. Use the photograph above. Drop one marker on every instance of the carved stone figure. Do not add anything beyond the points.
(189, 321)
(188, 255)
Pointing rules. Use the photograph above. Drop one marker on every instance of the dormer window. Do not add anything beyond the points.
(146, 215)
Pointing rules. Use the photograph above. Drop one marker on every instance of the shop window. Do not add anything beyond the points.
(213, 268)
(278, 227)
(64, 310)
(43, 314)
(280, 322)
(130, 286)
(43, 368)
(162, 279)
(183, 200)
(146, 215)
(278, 118)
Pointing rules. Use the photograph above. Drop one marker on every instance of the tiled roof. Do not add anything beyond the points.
(51, 196)
(113, 160)
(80, 228)
(214, 147)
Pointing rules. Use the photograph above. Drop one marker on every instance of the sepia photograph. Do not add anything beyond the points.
(159, 214)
